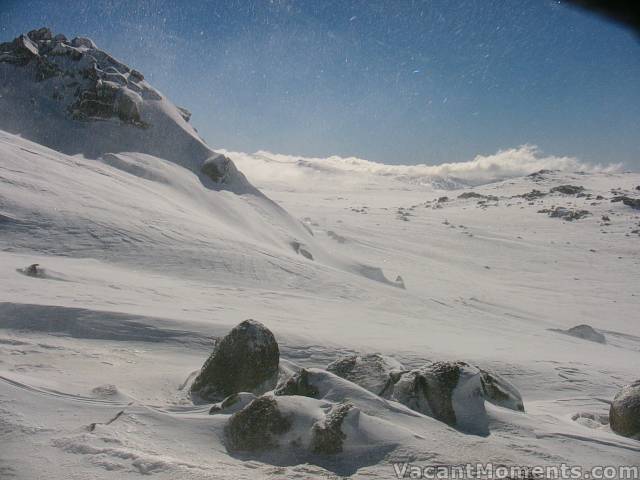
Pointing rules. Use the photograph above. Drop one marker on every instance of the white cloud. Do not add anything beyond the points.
(266, 168)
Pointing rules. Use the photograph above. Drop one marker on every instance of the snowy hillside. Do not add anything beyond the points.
(145, 258)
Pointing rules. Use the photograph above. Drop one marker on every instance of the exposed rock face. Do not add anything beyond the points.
(88, 82)
(586, 332)
(257, 426)
(326, 434)
(624, 415)
(246, 360)
(567, 189)
(298, 384)
(373, 372)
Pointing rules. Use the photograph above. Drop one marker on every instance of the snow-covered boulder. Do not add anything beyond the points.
(326, 434)
(454, 393)
(257, 426)
(500, 391)
(377, 373)
(246, 360)
(624, 414)
(586, 332)
(300, 384)
(298, 429)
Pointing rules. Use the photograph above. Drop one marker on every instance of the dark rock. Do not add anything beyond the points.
(33, 270)
(429, 390)
(586, 332)
(137, 76)
(246, 360)
(40, 34)
(624, 414)
(470, 195)
(216, 168)
(631, 202)
(257, 426)
(301, 250)
(373, 372)
(567, 189)
(326, 434)
(443, 199)
(83, 42)
(532, 195)
(565, 213)
(184, 113)
(299, 385)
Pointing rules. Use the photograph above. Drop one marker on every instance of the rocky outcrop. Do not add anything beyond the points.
(624, 414)
(565, 213)
(246, 360)
(374, 372)
(88, 82)
(257, 426)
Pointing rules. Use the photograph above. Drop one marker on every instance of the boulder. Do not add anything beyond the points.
(257, 426)
(624, 414)
(327, 436)
(246, 360)
(83, 42)
(429, 390)
(127, 105)
(298, 384)
(374, 372)
(586, 332)
(454, 393)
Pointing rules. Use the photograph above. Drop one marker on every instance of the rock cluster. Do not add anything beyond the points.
(308, 409)
(565, 213)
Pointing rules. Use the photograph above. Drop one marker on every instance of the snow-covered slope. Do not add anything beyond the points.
(144, 260)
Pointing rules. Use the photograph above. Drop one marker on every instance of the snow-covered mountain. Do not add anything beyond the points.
(146, 253)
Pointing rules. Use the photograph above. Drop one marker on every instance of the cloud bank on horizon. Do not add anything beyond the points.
(266, 168)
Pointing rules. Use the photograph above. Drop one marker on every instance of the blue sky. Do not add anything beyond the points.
(396, 81)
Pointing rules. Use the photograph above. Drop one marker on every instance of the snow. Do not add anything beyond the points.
(145, 262)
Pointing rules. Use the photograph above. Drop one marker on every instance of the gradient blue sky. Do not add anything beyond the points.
(396, 81)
